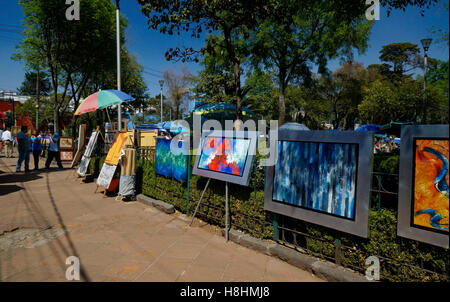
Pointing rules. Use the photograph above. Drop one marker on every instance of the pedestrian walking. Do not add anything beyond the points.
(24, 147)
(7, 141)
(36, 147)
(53, 150)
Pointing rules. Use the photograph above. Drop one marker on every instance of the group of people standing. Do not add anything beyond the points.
(28, 145)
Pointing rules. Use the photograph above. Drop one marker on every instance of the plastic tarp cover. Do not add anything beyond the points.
(126, 185)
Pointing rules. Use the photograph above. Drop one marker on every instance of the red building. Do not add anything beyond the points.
(7, 99)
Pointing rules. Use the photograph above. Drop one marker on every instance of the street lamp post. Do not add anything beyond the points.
(161, 83)
(426, 45)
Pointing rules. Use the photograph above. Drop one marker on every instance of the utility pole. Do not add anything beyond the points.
(37, 98)
(119, 107)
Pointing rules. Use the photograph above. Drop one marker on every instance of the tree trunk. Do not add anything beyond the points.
(237, 71)
(56, 126)
(281, 103)
(237, 83)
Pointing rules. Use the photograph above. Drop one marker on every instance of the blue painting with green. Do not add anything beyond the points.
(169, 164)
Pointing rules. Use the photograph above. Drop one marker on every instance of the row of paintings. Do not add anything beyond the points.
(324, 177)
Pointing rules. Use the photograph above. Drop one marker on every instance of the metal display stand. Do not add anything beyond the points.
(227, 227)
(227, 210)
(198, 204)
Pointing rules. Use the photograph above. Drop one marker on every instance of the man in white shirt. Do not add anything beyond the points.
(53, 150)
(7, 141)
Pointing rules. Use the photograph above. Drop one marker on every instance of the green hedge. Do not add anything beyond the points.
(247, 213)
(246, 207)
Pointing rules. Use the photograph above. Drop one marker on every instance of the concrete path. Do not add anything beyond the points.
(46, 217)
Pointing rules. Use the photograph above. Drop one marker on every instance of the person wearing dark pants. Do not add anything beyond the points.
(36, 147)
(53, 150)
(24, 146)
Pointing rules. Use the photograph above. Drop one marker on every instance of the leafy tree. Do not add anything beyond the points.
(262, 95)
(438, 77)
(28, 86)
(69, 50)
(344, 91)
(178, 89)
(385, 101)
(401, 57)
(300, 33)
(232, 19)
(215, 82)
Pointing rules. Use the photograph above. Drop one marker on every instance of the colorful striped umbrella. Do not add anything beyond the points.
(102, 99)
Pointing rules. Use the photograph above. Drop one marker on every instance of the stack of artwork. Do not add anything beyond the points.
(169, 164)
(112, 160)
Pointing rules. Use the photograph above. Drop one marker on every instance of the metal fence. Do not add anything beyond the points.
(285, 233)
(286, 230)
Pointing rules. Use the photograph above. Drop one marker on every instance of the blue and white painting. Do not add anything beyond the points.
(317, 176)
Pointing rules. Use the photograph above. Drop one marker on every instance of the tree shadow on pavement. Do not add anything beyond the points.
(6, 189)
(18, 177)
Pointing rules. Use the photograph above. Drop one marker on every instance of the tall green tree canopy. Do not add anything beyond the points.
(69, 50)
(299, 34)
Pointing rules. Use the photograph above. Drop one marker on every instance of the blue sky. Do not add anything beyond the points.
(150, 46)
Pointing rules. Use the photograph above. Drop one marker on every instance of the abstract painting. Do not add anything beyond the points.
(114, 153)
(168, 163)
(423, 193)
(322, 177)
(431, 179)
(224, 155)
(317, 176)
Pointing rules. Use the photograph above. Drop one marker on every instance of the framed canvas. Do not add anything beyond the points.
(84, 164)
(66, 142)
(423, 184)
(114, 153)
(226, 155)
(322, 177)
(106, 175)
(66, 155)
(91, 144)
(169, 164)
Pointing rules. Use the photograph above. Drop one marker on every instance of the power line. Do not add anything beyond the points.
(10, 31)
(13, 26)
(154, 70)
(10, 38)
(152, 74)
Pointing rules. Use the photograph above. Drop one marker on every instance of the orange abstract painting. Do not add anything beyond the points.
(431, 190)
(112, 158)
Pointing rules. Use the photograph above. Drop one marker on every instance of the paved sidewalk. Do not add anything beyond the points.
(46, 217)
